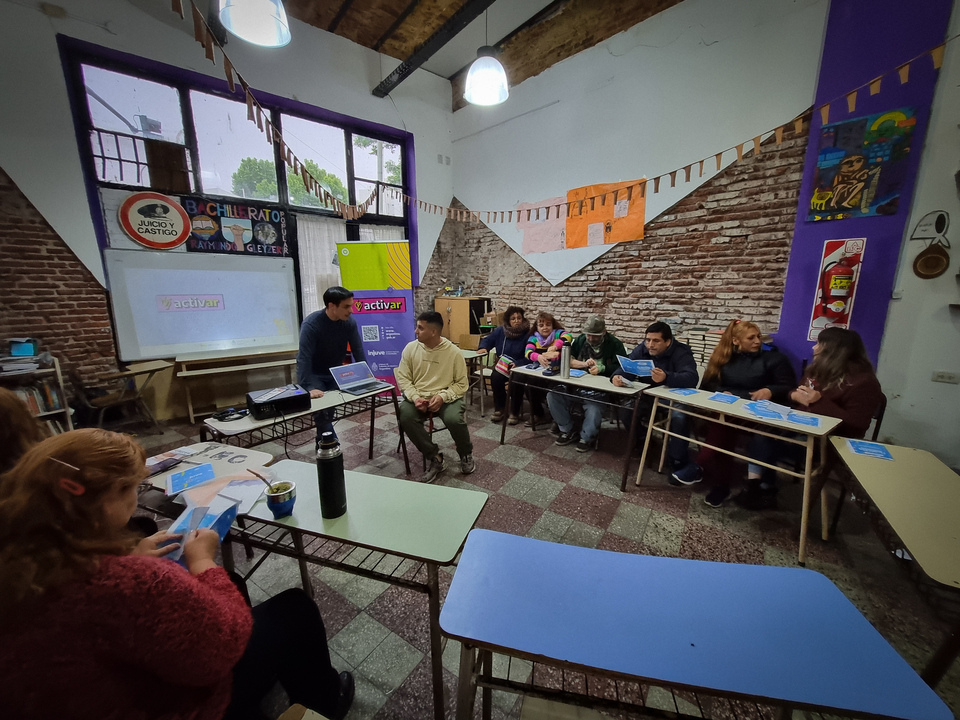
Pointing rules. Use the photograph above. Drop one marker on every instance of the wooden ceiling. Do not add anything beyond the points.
(409, 30)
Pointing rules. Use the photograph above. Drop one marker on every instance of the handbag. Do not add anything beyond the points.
(504, 363)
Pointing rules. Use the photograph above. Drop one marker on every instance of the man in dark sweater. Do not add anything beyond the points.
(324, 336)
(674, 367)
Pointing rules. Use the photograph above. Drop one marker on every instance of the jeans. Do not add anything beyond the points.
(561, 407)
(452, 414)
(324, 419)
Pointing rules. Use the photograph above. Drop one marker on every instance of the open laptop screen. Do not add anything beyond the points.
(352, 374)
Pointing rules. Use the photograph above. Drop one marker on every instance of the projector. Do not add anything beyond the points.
(286, 400)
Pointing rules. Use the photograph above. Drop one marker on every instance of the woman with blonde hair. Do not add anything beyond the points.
(94, 625)
(740, 366)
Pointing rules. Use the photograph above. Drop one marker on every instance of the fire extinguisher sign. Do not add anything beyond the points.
(836, 284)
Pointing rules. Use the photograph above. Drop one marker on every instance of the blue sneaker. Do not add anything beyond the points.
(690, 474)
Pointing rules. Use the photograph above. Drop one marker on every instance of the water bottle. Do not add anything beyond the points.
(333, 492)
(565, 362)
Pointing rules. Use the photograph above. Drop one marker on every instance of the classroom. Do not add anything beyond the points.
(177, 200)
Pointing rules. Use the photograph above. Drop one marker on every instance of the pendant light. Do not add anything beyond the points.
(486, 82)
(261, 22)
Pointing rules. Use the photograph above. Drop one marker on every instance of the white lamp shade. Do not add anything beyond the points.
(261, 22)
(486, 80)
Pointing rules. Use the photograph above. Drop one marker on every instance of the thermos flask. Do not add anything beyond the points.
(333, 492)
(565, 362)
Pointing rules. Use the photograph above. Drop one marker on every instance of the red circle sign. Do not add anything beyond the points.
(154, 220)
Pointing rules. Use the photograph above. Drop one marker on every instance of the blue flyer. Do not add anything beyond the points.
(762, 411)
(577, 373)
(640, 368)
(870, 449)
(800, 419)
(683, 391)
(723, 398)
(180, 481)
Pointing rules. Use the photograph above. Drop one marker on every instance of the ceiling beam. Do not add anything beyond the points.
(396, 23)
(468, 12)
(339, 16)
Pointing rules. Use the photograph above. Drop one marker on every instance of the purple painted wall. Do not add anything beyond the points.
(864, 39)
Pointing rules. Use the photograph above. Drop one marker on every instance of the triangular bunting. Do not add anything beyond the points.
(778, 134)
(717, 156)
(208, 46)
(756, 145)
(798, 125)
(686, 173)
(904, 72)
(656, 184)
(851, 101)
(936, 54)
(198, 25)
(177, 7)
(228, 71)
(875, 85)
(701, 168)
(673, 179)
(825, 114)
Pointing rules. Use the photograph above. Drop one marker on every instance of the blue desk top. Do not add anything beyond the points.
(782, 634)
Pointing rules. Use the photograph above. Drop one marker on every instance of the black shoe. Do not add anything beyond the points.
(716, 496)
(347, 689)
(555, 430)
(755, 497)
(584, 446)
(565, 438)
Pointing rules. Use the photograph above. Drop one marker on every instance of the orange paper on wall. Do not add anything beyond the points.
(606, 223)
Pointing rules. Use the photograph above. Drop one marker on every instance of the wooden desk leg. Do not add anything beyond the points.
(186, 385)
(630, 442)
(467, 685)
(805, 510)
(486, 694)
(302, 562)
(436, 652)
(666, 439)
(646, 443)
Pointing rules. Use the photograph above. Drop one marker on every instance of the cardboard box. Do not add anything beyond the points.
(493, 318)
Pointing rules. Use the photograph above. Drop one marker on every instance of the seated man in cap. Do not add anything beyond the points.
(595, 351)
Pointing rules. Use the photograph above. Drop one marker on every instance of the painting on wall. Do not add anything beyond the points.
(861, 166)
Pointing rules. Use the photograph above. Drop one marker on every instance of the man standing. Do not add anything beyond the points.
(432, 376)
(674, 367)
(324, 336)
(595, 351)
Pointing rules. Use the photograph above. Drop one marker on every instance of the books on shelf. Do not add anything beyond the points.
(41, 397)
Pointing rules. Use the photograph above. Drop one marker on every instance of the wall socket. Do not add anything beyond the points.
(945, 377)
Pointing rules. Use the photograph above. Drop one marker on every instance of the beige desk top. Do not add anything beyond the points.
(236, 353)
(400, 517)
(827, 424)
(225, 459)
(588, 382)
(331, 398)
(920, 498)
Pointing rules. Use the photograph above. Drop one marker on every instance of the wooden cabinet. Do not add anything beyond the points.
(42, 390)
(462, 317)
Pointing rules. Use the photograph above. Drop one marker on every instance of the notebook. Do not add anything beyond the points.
(357, 379)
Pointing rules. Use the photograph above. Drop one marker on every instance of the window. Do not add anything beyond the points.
(377, 163)
(321, 148)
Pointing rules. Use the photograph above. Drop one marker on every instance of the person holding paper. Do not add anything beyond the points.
(840, 382)
(543, 349)
(324, 337)
(93, 625)
(673, 366)
(594, 351)
(509, 339)
(740, 366)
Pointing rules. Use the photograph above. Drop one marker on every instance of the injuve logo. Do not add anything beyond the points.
(179, 303)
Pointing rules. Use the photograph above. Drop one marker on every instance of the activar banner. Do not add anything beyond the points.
(385, 320)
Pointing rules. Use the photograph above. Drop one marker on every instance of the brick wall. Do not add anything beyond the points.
(719, 253)
(45, 292)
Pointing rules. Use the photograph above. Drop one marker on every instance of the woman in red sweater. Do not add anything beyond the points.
(840, 382)
(95, 625)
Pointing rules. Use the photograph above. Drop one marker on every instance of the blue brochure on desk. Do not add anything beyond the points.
(800, 419)
(683, 391)
(217, 516)
(640, 368)
(180, 481)
(723, 398)
(761, 410)
(870, 449)
(577, 373)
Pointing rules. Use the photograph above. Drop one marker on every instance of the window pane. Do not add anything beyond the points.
(382, 233)
(365, 190)
(321, 148)
(376, 160)
(235, 159)
(390, 203)
(130, 105)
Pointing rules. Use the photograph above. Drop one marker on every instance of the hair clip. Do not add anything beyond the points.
(72, 467)
(72, 486)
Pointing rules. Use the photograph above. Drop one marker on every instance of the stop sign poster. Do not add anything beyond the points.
(836, 284)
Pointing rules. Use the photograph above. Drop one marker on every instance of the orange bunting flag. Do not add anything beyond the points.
(798, 125)
(756, 145)
(243, 83)
(249, 106)
(630, 193)
(701, 168)
(643, 189)
(268, 126)
(228, 71)
(593, 203)
(778, 134)
(673, 179)
(177, 7)
(259, 118)
(875, 85)
(603, 200)
(198, 24)
(904, 72)
(686, 173)
(851, 101)
(510, 216)
(739, 152)
(656, 184)
(558, 212)
(825, 114)
(936, 54)
(528, 214)
(208, 46)
(717, 157)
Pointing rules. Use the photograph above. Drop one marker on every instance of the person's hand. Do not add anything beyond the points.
(761, 394)
(551, 354)
(421, 404)
(315, 394)
(591, 363)
(804, 395)
(482, 351)
(150, 545)
(436, 402)
(593, 369)
(200, 550)
(543, 360)
(617, 380)
(658, 375)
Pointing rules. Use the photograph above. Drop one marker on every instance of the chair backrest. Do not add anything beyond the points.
(878, 417)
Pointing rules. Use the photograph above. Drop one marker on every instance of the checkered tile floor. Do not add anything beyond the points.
(540, 490)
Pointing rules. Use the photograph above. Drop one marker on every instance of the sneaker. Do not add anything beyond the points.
(467, 465)
(716, 496)
(435, 466)
(538, 419)
(755, 497)
(513, 420)
(555, 430)
(584, 445)
(347, 689)
(497, 416)
(565, 438)
(691, 474)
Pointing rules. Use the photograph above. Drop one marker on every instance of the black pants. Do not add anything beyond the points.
(289, 646)
(498, 381)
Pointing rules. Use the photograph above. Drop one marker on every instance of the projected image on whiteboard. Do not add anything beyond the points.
(172, 304)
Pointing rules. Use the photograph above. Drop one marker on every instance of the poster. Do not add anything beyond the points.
(154, 220)
(604, 214)
(543, 228)
(375, 265)
(861, 166)
(385, 319)
(836, 285)
(239, 227)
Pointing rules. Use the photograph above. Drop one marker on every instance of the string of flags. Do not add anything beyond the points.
(260, 117)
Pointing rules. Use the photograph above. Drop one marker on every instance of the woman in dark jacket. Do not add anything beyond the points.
(740, 366)
(510, 340)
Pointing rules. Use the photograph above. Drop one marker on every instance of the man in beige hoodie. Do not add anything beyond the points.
(432, 376)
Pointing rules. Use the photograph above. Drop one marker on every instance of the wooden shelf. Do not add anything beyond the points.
(39, 389)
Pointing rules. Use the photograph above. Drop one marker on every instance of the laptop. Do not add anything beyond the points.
(357, 379)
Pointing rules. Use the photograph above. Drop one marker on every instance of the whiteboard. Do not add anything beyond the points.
(168, 304)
